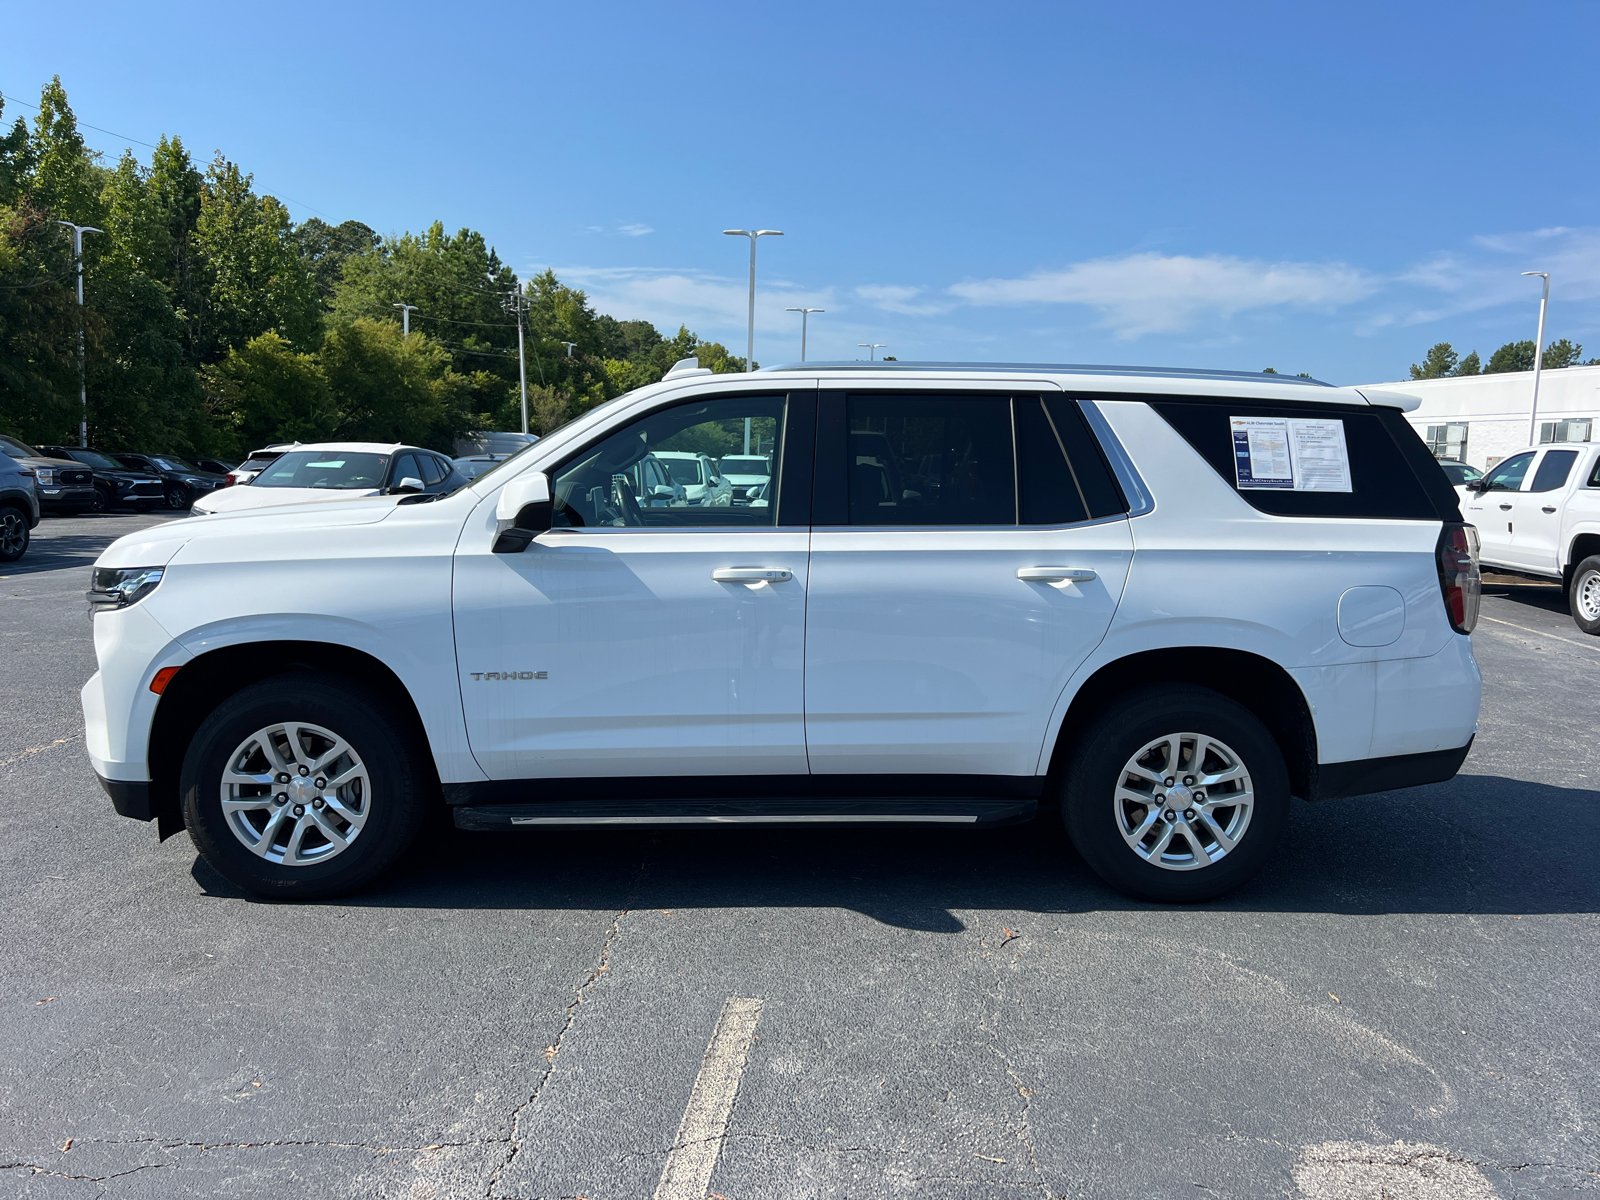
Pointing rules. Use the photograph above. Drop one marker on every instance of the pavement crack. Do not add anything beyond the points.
(31, 750)
(991, 1026)
(553, 1051)
(42, 1170)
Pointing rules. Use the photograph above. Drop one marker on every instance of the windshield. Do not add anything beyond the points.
(324, 469)
(168, 463)
(90, 459)
(683, 470)
(1459, 473)
(18, 449)
(739, 464)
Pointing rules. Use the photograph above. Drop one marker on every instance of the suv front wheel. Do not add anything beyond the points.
(1176, 794)
(302, 786)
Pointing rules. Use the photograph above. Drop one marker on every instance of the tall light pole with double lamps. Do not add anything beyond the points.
(872, 349)
(405, 317)
(750, 335)
(1538, 357)
(83, 378)
(805, 314)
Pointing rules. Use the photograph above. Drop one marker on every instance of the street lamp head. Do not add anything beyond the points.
(769, 233)
(1541, 274)
(736, 233)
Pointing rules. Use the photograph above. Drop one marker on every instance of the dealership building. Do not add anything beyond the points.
(1481, 419)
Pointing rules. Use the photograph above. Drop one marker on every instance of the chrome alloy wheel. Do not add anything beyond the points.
(13, 534)
(295, 794)
(1586, 596)
(1183, 801)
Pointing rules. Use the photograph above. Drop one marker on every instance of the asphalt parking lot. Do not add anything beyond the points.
(1403, 1005)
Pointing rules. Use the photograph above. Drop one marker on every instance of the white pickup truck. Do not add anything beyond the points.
(1538, 514)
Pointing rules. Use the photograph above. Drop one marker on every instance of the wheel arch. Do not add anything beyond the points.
(207, 680)
(1250, 680)
(1583, 544)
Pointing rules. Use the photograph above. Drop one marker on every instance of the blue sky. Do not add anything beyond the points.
(1329, 188)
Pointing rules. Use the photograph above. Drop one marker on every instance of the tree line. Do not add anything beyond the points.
(1442, 360)
(215, 323)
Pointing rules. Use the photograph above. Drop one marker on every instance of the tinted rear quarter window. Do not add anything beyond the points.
(1390, 477)
(1553, 471)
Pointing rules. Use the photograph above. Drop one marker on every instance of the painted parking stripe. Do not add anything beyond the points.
(687, 1174)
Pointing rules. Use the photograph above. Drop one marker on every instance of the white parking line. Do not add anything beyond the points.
(687, 1174)
(1541, 633)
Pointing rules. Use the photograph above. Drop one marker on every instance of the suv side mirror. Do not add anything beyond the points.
(409, 484)
(523, 511)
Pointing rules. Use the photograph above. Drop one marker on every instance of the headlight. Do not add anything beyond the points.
(118, 587)
(46, 476)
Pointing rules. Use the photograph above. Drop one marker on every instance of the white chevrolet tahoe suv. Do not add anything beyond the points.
(1538, 513)
(1158, 603)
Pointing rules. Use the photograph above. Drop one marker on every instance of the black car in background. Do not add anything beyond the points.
(181, 480)
(64, 486)
(114, 484)
(213, 465)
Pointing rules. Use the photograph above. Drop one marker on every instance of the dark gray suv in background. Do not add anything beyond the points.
(62, 484)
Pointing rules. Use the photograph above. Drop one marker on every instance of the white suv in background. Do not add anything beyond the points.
(1156, 603)
(1538, 513)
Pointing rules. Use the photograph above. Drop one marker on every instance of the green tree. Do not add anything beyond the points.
(38, 326)
(1513, 356)
(63, 178)
(1561, 354)
(266, 391)
(257, 278)
(176, 193)
(391, 388)
(16, 159)
(1441, 360)
(1470, 365)
(324, 248)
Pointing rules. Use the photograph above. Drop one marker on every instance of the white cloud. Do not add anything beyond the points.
(634, 230)
(897, 298)
(714, 306)
(1492, 277)
(1157, 293)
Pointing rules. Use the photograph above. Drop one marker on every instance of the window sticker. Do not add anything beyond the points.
(1290, 453)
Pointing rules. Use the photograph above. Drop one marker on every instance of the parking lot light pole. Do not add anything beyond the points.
(804, 314)
(83, 378)
(1538, 357)
(872, 349)
(750, 328)
(569, 346)
(405, 318)
(516, 301)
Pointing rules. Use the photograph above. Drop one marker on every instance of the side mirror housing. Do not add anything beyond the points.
(523, 511)
(409, 484)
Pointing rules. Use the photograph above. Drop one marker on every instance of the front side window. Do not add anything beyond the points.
(930, 460)
(1507, 476)
(334, 469)
(639, 476)
(1553, 471)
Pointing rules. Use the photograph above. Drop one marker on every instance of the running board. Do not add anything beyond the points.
(834, 810)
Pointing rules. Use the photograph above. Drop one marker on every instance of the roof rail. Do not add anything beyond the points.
(1050, 369)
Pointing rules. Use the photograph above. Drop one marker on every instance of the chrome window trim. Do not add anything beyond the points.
(1139, 497)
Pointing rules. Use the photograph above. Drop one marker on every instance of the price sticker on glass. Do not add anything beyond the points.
(1290, 453)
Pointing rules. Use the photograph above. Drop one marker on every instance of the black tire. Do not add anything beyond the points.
(102, 501)
(1092, 812)
(1583, 594)
(400, 793)
(14, 534)
(178, 497)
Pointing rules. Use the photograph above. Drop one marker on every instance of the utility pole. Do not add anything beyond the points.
(873, 348)
(805, 313)
(516, 301)
(1538, 358)
(83, 377)
(569, 346)
(750, 334)
(405, 318)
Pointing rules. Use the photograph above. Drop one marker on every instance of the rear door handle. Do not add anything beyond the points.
(1054, 575)
(1549, 508)
(751, 575)
(1505, 508)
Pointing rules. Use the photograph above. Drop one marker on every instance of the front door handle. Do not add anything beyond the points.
(1505, 508)
(1549, 508)
(1054, 575)
(751, 575)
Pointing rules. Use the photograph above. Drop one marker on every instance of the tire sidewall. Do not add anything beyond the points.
(9, 512)
(374, 732)
(1111, 740)
(1588, 567)
(179, 493)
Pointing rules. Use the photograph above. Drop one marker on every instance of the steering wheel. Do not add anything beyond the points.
(622, 494)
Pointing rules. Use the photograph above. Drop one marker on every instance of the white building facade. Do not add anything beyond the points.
(1480, 419)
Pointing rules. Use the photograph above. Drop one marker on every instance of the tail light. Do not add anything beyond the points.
(1459, 580)
(227, 481)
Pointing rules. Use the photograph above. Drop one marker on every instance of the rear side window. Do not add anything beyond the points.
(1553, 471)
(1387, 477)
(931, 460)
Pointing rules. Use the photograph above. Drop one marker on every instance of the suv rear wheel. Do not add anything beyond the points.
(1176, 794)
(1585, 594)
(302, 786)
